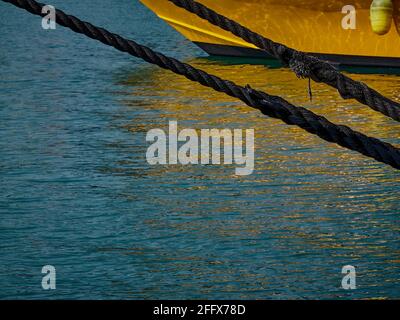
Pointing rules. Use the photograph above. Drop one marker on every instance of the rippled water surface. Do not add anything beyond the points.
(77, 193)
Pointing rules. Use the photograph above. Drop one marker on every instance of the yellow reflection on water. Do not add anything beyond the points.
(278, 146)
(306, 195)
(301, 166)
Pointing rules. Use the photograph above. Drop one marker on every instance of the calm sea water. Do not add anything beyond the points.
(77, 193)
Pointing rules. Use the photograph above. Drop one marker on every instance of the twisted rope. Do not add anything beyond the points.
(272, 106)
(302, 64)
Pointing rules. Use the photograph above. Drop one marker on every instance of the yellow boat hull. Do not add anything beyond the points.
(312, 26)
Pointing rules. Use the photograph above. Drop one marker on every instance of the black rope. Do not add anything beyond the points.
(302, 64)
(272, 106)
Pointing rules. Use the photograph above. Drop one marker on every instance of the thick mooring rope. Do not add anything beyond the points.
(302, 64)
(273, 106)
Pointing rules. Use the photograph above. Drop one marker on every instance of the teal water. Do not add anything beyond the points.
(77, 193)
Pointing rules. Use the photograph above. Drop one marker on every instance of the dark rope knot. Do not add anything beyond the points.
(303, 67)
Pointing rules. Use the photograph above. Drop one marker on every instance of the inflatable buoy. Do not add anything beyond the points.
(381, 13)
(396, 14)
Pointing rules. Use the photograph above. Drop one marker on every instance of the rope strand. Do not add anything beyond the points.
(272, 106)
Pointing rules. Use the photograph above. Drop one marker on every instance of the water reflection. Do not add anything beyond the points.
(309, 207)
(167, 97)
(79, 194)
